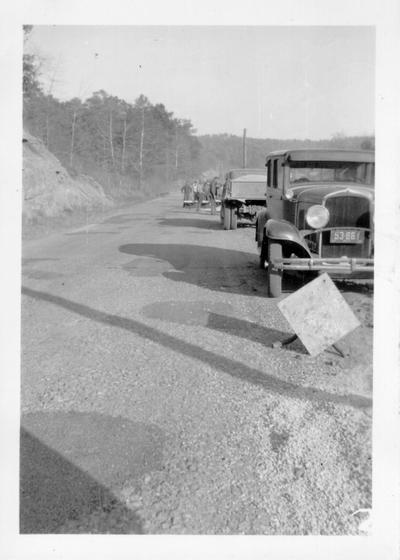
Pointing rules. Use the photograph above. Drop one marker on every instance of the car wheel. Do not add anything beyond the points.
(227, 218)
(234, 218)
(264, 255)
(274, 275)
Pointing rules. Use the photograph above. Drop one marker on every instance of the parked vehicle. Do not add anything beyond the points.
(243, 196)
(318, 216)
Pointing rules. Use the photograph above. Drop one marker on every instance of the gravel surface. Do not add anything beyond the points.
(153, 402)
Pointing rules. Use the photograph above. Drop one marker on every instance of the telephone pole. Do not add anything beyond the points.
(244, 149)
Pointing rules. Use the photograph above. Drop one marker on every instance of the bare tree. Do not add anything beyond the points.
(71, 153)
(141, 150)
(123, 142)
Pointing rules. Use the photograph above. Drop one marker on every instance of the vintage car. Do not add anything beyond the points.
(243, 196)
(319, 215)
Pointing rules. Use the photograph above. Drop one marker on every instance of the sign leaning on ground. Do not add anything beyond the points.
(318, 314)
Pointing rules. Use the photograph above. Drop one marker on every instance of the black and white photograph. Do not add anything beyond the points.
(204, 267)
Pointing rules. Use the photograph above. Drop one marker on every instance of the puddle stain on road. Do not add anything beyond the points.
(278, 440)
(84, 232)
(27, 261)
(41, 274)
(202, 224)
(126, 218)
(146, 266)
(30, 270)
(207, 267)
(72, 462)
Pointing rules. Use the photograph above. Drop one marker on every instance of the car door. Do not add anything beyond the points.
(275, 187)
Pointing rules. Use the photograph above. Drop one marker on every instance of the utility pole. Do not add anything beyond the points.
(244, 149)
(141, 151)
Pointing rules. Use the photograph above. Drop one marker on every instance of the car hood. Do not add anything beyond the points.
(314, 194)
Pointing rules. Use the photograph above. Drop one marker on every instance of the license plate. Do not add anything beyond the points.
(347, 236)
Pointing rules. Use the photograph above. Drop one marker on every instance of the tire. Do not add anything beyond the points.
(264, 255)
(234, 218)
(274, 275)
(227, 218)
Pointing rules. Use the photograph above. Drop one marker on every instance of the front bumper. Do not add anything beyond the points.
(341, 265)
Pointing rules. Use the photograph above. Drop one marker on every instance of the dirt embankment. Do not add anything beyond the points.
(49, 191)
(54, 201)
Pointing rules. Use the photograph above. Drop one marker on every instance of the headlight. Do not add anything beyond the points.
(289, 194)
(317, 216)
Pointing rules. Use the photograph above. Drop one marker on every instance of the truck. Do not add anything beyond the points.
(243, 196)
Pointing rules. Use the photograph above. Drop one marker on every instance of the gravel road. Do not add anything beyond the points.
(153, 402)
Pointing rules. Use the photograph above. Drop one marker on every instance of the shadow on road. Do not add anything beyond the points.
(250, 331)
(219, 317)
(222, 363)
(69, 463)
(365, 287)
(224, 270)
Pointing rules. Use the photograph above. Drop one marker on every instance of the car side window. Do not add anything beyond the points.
(268, 165)
(275, 174)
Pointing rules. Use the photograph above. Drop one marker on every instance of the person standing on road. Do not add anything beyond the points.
(206, 190)
(187, 193)
(198, 194)
(213, 196)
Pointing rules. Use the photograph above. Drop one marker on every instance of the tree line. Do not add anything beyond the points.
(125, 146)
(222, 152)
(139, 146)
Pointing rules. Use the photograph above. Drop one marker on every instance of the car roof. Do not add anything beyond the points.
(251, 178)
(325, 155)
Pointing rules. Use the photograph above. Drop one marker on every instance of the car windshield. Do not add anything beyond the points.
(331, 172)
(249, 189)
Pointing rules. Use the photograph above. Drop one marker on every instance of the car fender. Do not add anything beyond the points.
(282, 230)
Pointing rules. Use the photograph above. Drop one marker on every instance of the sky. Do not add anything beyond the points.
(277, 82)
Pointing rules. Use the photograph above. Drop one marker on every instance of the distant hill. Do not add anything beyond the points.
(224, 151)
